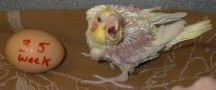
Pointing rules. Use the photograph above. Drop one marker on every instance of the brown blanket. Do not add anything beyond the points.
(182, 65)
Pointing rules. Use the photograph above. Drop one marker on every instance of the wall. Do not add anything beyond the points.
(198, 5)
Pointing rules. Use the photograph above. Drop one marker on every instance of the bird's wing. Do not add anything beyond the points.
(162, 18)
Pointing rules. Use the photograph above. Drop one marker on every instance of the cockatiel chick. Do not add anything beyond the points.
(128, 36)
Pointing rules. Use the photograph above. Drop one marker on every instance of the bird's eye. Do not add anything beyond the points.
(99, 19)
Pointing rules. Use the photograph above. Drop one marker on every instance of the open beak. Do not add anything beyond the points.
(112, 29)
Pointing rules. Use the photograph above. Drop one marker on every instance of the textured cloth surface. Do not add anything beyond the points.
(198, 5)
(182, 65)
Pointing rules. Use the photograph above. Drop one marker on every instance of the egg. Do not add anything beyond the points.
(34, 51)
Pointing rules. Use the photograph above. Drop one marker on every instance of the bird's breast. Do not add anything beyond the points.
(134, 43)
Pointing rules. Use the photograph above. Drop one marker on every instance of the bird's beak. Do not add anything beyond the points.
(112, 28)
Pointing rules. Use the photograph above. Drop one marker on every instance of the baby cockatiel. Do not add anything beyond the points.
(128, 36)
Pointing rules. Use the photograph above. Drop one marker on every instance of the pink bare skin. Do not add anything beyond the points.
(204, 83)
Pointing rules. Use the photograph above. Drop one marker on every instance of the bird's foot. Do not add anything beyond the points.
(114, 80)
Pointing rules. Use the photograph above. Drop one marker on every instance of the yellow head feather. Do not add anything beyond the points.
(107, 12)
(98, 34)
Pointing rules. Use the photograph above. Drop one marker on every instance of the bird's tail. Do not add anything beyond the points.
(191, 32)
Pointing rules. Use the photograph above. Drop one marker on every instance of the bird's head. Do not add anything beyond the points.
(106, 27)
